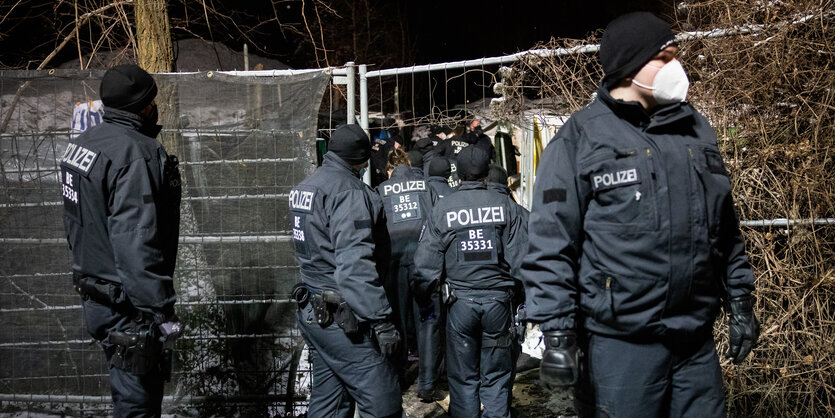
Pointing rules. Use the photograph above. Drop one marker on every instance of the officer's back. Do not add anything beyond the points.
(408, 201)
(475, 233)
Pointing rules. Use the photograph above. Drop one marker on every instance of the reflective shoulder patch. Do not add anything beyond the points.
(302, 199)
(608, 180)
(79, 158)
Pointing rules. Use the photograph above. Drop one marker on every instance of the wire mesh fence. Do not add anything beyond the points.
(243, 142)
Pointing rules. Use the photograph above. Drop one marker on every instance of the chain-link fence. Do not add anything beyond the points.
(243, 142)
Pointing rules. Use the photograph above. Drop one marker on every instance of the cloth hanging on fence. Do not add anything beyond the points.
(86, 115)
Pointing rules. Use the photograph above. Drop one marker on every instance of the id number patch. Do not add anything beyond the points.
(477, 246)
(405, 207)
(70, 192)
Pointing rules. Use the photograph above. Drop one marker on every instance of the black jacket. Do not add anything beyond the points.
(523, 212)
(408, 201)
(122, 210)
(340, 237)
(452, 146)
(475, 237)
(632, 227)
(440, 185)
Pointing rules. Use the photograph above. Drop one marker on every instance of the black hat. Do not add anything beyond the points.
(439, 166)
(497, 174)
(423, 145)
(473, 163)
(350, 142)
(127, 87)
(415, 158)
(629, 42)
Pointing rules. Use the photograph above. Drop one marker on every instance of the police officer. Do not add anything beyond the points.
(408, 201)
(473, 239)
(438, 173)
(341, 244)
(121, 194)
(636, 243)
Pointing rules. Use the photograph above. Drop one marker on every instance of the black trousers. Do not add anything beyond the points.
(348, 370)
(429, 344)
(657, 378)
(133, 396)
(479, 358)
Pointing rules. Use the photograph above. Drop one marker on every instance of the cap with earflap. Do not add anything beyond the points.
(127, 87)
(473, 163)
(629, 42)
(351, 144)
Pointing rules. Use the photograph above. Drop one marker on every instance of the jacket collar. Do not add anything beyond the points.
(121, 117)
(402, 170)
(473, 185)
(656, 118)
(499, 188)
(332, 160)
(131, 121)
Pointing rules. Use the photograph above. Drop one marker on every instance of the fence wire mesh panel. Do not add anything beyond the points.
(243, 142)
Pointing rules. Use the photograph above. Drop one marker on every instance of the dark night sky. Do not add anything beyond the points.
(456, 30)
(440, 30)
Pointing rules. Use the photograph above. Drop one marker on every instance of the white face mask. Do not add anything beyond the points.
(670, 84)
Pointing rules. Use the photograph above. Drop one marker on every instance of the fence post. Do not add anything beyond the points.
(366, 176)
(352, 86)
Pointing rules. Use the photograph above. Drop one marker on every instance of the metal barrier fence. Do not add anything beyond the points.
(243, 142)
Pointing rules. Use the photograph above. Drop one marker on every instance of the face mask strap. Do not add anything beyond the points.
(639, 84)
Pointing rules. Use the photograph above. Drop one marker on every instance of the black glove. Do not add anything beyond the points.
(743, 328)
(387, 338)
(561, 361)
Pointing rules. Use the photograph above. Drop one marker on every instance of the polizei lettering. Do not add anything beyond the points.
(79, 157)
(403, 187)
(475, 216)
(301, 199)
(617, 178)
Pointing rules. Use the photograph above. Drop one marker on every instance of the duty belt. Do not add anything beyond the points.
(328, 307)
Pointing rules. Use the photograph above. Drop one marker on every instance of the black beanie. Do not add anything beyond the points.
(497, 175)
(439, 166)
(415, 158)
(629, 42)
(473, 163)
(423, 145)
(350, 142)
(127, 87)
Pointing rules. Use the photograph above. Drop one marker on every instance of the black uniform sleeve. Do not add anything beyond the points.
(352, 234)
(517, 241)
(136, 239)
(430, 256)
(555, 237)
(739, 279)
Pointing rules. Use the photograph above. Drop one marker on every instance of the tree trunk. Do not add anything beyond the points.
(153, 36)
(156, 55)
